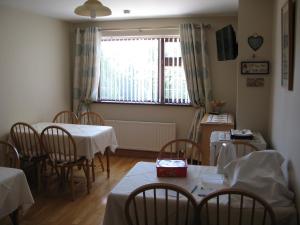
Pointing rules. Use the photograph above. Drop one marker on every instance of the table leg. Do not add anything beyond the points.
(107, 162)
(14, 216)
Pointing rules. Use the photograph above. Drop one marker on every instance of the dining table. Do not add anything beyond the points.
(89, 139)
(197, 178)
(15, 194)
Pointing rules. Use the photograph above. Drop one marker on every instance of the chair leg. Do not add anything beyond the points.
(39, 172)
(100, 160)
(107, 162)
(87, 173)
(43, 174)
(70, 169)
(93, 170)
(57, 172)
(68, 172)
(14, 216)
(62, 176)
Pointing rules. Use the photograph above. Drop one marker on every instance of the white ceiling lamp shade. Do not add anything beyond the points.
(92, 8)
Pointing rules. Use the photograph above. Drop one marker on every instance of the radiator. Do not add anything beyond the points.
(146, 136)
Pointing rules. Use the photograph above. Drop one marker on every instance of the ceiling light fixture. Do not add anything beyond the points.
(92, 8)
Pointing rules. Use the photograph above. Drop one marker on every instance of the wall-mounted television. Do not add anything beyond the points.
(226, 43)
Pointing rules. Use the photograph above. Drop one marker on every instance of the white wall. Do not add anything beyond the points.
(252, 107)
(285, 105)
(34, 68)
(223, 75)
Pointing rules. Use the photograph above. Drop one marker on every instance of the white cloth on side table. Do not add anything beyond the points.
(14, 191)
(261, 172)
(217, 138)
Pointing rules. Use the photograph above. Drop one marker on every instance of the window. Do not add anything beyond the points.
(142, 70)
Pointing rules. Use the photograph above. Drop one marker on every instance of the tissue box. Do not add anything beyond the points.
(171, 167)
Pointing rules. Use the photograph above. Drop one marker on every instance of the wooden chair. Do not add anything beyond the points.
(93, 118)
(27, 142)
(65, 117)
(10, 159)
(182, 148)
(242, 148)
(166, 203)
(62, 152)
(10, 154)
(232, 207)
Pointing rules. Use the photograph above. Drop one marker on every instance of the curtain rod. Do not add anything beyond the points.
(148, 28)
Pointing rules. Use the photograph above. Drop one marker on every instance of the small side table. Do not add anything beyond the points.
(210, 123)
(219, 137)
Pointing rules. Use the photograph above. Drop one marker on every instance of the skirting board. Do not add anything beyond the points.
(137, 153)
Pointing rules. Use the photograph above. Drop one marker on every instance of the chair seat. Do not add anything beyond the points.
(65, 160)
(34, 158)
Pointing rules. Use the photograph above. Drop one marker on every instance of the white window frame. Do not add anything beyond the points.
(161, 78)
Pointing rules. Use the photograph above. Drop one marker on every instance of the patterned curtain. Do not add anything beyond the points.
(195, 61)
(87, 68)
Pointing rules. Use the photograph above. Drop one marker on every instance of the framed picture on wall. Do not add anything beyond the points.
(287, 44)
(255, 67)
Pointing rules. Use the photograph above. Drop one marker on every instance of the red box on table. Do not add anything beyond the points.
(171, 167)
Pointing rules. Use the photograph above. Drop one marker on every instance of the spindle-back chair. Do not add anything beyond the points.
(65, 117)
(234, 207)
(61, 148)
(10, 154)
(160, 203)
(93, 118)
(182, 149)
(27, 141)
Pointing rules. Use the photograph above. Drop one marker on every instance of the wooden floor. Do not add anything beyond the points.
(56, 207)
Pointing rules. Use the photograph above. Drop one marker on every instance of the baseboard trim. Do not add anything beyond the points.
(136, 153)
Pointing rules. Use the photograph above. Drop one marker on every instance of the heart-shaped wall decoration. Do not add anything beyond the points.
(255, 42)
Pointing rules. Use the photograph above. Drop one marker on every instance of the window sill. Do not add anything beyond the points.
(144, 103)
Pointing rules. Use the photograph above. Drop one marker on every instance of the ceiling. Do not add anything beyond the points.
(139, 9)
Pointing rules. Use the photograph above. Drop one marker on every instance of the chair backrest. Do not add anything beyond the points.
(242, 148)
(10, 155)
(234, 207)
(91, 118)
(59, 144)
(65, 117)
(182, 148)
(27, 140)
(160, 203)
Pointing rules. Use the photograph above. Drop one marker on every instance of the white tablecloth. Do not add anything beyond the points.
(14, 191)
(219, 137)
(145, 173)
(89, 139)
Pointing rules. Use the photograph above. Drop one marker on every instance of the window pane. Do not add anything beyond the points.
(129, 70)
(175, 88)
